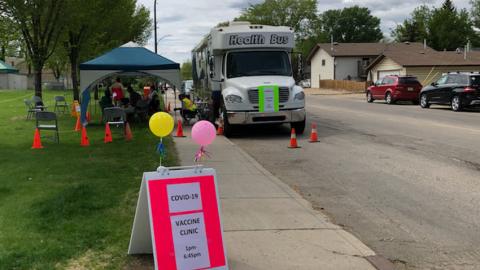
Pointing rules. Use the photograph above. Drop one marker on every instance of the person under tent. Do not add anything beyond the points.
(117, 91)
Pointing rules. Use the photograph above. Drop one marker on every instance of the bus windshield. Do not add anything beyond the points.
(258, 63)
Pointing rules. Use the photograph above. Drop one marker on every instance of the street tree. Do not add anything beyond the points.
(449, 28)
(299, 14)
(186, 70)
(415, 28)
(351, 24)
(40, 22)
(96, 26)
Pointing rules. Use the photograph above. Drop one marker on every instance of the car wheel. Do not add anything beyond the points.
(388, 98)
(424, 101)
(369, 97)
(298, 126)
(456, 103)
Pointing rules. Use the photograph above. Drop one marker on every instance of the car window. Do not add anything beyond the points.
(388, 81)
(462, 79)
(442, 80)
(452, 79)
(408, 80)
(474, 80)
(378, 82)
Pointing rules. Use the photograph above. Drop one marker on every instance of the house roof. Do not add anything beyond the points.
(6, 68)
(348, 49)
(411, 56)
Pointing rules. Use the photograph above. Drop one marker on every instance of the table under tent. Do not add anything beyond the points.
(130, 59)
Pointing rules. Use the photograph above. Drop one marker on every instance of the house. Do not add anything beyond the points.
(342, 61)
(423, 62)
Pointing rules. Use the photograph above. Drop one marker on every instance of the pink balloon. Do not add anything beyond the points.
(203, 133)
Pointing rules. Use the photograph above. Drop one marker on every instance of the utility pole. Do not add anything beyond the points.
(155, 22)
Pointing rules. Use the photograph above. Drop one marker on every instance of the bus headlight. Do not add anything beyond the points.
(233, 99)
(300, 96)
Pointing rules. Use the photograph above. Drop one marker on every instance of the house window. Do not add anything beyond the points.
(323, 62)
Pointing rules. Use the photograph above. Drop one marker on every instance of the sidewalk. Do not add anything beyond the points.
(266, 224)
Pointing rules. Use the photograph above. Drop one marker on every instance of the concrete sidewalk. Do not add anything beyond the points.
(267, 225)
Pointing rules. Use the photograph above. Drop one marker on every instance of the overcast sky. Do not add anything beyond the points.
(187, 21)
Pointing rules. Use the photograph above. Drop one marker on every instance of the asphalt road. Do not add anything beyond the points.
(404, 180)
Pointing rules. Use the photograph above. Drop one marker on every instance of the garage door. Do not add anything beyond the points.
(383, 73)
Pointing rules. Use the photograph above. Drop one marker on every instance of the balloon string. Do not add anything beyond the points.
(161, 150)
(201, 153)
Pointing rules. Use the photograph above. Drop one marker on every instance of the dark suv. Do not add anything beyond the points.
(459, 90)
(394, 88)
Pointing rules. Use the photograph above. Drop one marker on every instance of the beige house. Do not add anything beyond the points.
(422, 62)
(342, 61)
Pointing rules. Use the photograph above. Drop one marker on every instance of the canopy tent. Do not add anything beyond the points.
(129, 59)
(6, 68)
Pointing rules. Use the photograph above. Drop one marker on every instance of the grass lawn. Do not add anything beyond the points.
(67, 206)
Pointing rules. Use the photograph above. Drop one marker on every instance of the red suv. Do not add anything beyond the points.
(393, 88)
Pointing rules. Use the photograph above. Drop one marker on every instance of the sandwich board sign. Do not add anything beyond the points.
(268, 98)
(178, 220)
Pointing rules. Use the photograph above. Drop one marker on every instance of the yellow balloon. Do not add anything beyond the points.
(161, 124)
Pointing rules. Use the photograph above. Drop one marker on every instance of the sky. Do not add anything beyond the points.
(183, 23)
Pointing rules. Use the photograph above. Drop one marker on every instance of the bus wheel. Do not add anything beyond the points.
(227, 128)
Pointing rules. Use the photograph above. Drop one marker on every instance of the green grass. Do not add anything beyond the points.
(67, 206)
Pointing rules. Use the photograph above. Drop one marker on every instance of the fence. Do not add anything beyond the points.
(344, 85)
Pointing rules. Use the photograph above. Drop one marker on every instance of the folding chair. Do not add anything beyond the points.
(141, 109)
(31, 110)
(48, 121)
(36, 100)
(114, 116)
(60, 102)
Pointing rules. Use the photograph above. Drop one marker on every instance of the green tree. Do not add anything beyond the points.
(415, 28)
(351, 24)
(298, 14)
(10, 38)
(40, 22)
(89, 32)
(475, 13)
(450, 29)
(186, 70)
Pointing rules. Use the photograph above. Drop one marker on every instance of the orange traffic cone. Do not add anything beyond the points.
(37, 143)
(128, 132)
(78, 126)
(220, 129)
(84, 141)
(88, 117)
(314, 135)
(179, 129)
(293, 140)
(108, 134)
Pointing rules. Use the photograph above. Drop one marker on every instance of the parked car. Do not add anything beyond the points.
(394, 88)
(305, 83)
(459, 90)
(187, 87)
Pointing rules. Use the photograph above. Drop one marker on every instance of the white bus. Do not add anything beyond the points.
(246, 69)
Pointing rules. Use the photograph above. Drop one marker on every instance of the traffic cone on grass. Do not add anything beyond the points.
(78, 125)
(293, 140)
(179, 129)
(128, 132)
(84, 141)
(314, 135)
(108, 134)
(37, 143)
